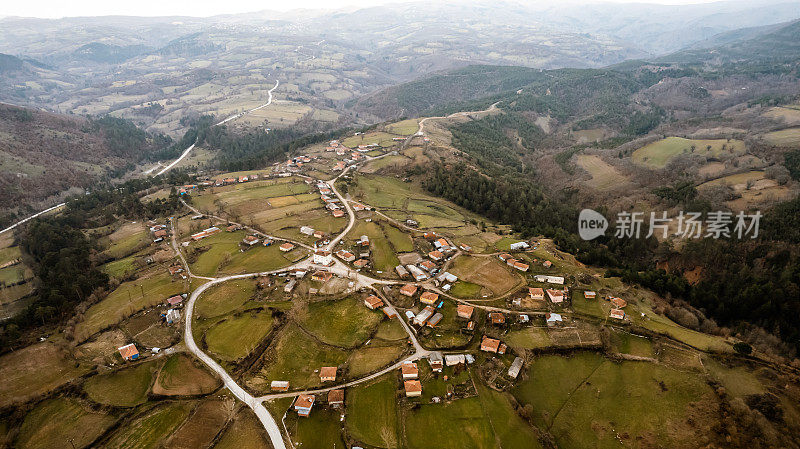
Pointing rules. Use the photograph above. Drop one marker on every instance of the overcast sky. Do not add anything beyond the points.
(199, 8)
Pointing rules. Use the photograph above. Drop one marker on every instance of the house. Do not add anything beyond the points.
(306, 230)
(409, 370)
(471, 326)
(464, 247)
(290, 286)
(454, 359)
(427, 265)
(298, 272)
(322, 276)
(521, 266)
(497, 318)
(401, 271)
(556, 296)
(408, 290)
(429, 297)
(303, 404)
(373, 302)
(464, 311)
(175, 300)
(434, 320)
(322, 257)
(619, 303)
(588, 294)
(363, 240)
(336, 398)
(286, 247)
(250, 240)
(346, 256)
(436, 361)
(618, 314)
(519, 246)
(441, 244)
(358, 207)
(536, 293)
(505, 256)
(413, 388)
(337, 214)
(160, 234)
(175, 269)
(416, 273)
(279, 385)
(524, 318)
(555, 280)
(553, 319)
(547, 264)
(516, 367)
(327, 374)
(489, 344)
(128, 352)
(232, 228)
(423, 316)
(502, 349)
(429, 235)
(389, 312)
(361, 263)
(319, 234)
(436, 255)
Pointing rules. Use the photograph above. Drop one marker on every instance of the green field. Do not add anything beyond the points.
(152, 288)
(181, 376)
(383, 256)
(581, 398)
(236, 336)
(529, 338)
(404, 127)
(125, 240)
(153, 428)
(345, 322)
(246, 432)
(383, 139)
(34, 370)
(433, 426)
(390, 330)
(220, 254)
(124, 388)
(56, 421)
(373, 357)
(372, 412)
(784, 138)
(463, 289)
(295, 356)
(658, 154)
(224, 298)
(121, 268)
(321, 429)
(401, 241)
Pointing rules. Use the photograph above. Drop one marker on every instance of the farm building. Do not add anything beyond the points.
(547, 264)
(423, 316)
(322, 276)
(409, 370)
(337, 214)
(413, 388)
(401, 271)
(389, 312)
(442, 244)
(464, 247)
(427, 265)
(489, 344)
(556, 296)
(536, 293)
(286, 247)
(172, 316)
(428, 297)
(521, 266)
(290, 286)
(175, 300)
(250, 240)
(408, 290)
(306, 230)
(416, 273)
(429, 235)
(454, 359)
(618, 314)
(464, 311)
(279, 385)
(553, 319)
(327, 374)
(549, 279)
(588, 294)
(619, 303)
(436, 361)
(434, 320)
(505, 256)
(175, 269)
(361, 263)
(128, 352)
(447, 277)
(303, 404)
(519, 246)
(336, 398)
(363, 240)
(516, 367)
(373, 302)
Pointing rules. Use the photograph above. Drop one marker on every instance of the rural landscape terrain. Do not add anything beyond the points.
(360, 228)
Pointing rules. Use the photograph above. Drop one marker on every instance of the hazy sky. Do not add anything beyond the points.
(198, 8)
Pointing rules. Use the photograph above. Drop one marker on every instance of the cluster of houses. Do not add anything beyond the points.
(332, 203)
(159, 232)
(294, 164)
(514, 263)
(208, 232)
(232, 180)
(428, 268)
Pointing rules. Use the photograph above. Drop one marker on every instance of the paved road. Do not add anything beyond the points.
(57, 206)
(233, 117)
(455, 114)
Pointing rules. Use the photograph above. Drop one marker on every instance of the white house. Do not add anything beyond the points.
(306, 230)
(322, 257)
(519, 246)
(554, 319)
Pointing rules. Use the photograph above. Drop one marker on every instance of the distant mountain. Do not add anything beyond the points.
(10, 63)
(108, 54)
